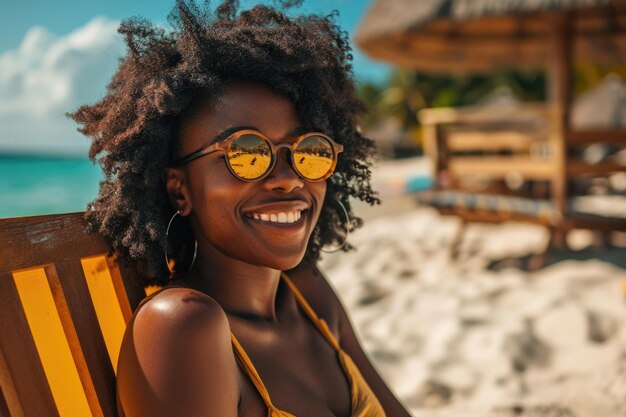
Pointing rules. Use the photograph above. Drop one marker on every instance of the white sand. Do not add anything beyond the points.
(454, 338)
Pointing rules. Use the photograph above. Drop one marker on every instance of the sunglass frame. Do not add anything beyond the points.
(224, 147)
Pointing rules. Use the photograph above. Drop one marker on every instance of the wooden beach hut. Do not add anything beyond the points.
(479, 36)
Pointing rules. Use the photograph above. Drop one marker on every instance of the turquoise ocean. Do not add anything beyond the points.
(32, 185)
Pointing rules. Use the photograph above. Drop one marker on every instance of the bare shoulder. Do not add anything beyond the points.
(177, 315)
(176, 356)
(178, 310)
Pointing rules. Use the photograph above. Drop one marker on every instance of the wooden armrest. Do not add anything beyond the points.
(579, 137)
(579, 167)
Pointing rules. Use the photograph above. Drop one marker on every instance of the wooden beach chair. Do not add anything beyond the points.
(65, 301)
(514, 164)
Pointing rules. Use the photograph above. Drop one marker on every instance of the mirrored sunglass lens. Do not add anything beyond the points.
(313, 157)
(249, 156)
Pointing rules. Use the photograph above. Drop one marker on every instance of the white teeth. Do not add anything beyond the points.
(281, 217)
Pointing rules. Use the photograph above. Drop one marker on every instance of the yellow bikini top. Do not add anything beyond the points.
(364, 402)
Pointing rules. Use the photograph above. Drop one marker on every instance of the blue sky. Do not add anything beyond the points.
(62, 16)
(56, 55)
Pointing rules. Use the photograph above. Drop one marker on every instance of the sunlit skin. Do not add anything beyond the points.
(176, 358)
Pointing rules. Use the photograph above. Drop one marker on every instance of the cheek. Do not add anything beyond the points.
(318, 191)
(215, 195)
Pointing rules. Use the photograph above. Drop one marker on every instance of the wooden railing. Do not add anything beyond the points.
(528, 143)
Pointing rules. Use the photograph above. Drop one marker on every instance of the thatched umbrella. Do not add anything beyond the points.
(451, 36)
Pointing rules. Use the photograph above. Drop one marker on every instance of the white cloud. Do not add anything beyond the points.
(47, 76)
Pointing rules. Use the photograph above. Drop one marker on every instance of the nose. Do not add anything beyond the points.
(283, 177)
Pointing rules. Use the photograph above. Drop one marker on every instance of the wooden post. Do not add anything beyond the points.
(431, 148)
(560, 91)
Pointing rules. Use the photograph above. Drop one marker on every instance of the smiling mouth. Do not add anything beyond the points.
(282, 217)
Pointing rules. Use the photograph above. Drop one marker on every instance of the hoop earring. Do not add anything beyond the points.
(170, 262)
(347, 229)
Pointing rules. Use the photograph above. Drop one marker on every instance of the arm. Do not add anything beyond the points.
(350, 343)
(176, 359)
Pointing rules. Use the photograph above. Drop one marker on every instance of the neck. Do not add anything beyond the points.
(241, 289)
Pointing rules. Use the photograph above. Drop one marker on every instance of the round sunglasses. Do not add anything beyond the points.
(251, 156)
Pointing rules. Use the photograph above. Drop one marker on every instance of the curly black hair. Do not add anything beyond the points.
(134, 127)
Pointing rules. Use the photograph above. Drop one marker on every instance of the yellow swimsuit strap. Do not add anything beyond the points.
(244, 359)
(321, 324)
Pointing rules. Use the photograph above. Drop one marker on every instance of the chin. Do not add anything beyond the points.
(283, 260)
(285, 266)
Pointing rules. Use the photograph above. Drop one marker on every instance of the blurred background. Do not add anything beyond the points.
(492, 278)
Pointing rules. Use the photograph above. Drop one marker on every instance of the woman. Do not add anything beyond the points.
(190, 137)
